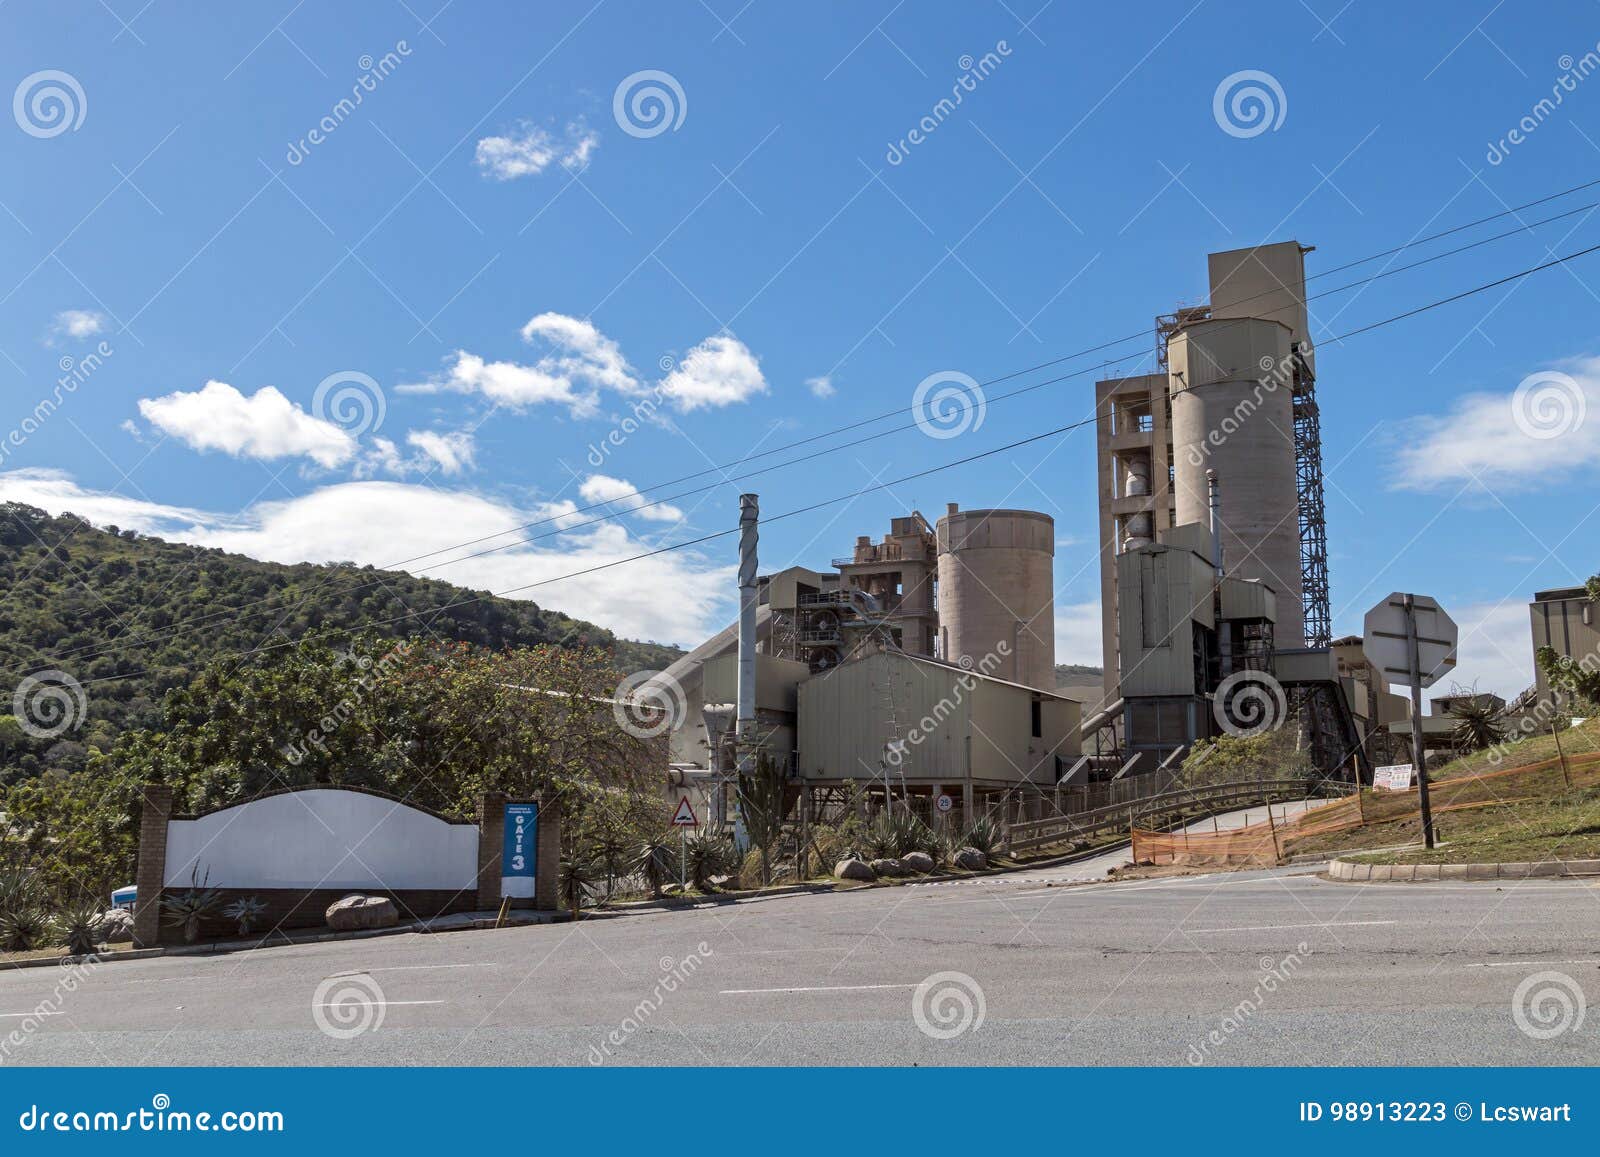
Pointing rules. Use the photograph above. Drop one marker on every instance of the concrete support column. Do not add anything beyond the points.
(155, 811)
(491, 837)
(547, 878)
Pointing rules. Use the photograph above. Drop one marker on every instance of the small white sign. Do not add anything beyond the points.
(944, 803)
(1395, 777)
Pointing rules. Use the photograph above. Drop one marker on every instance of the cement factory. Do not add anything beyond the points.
(921, 664)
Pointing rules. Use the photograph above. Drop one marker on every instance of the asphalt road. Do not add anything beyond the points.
(1275, 967)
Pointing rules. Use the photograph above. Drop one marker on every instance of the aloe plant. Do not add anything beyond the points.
(247, 912)
(192, 905)
(77, 929)
(22, 928)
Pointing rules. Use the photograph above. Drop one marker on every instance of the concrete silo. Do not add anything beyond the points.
(997, 593)
(1233, 412)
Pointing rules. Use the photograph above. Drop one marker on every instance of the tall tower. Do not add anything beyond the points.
(997, 593)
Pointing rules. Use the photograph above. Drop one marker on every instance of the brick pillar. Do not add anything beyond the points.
(151, 875)
(491, 836)
(547, 878)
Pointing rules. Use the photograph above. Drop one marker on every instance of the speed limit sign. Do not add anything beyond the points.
(944, 803)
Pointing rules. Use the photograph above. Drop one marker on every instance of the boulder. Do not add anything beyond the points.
(114, 924)
(889, 868)
(918, 861)
(971, 860)
(853, 869)
(358, 911)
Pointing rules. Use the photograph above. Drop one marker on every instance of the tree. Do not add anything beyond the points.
(761, 805)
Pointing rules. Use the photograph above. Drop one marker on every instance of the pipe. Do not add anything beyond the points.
(1215, 500)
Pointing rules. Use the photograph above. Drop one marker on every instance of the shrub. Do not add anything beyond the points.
(658, 860)
(708, 855)
(22, 928)
(985, 834)
(246, 912)
(77, 929)
(190, 906)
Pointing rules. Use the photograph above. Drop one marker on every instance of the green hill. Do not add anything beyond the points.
(131, 616)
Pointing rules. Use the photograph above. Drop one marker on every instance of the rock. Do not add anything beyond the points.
(971, 860)
(853, 869)
(359, 911)
(889, 868)
(113, 925)
(918, 861)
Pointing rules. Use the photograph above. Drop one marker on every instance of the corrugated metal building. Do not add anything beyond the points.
(956, 726)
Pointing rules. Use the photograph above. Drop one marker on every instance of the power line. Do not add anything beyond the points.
(565, 527)
(880, 485)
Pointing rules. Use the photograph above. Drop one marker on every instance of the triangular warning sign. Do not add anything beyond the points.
(684, 816)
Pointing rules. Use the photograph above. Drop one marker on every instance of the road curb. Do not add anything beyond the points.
(1353, 872)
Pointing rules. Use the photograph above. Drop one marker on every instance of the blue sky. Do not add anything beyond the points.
(762, 241)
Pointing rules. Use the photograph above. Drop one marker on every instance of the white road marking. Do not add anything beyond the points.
(831, 988)
(1285, 927)
(409, 968)
(375, 1003)
(1529, 963)
(25, 1015)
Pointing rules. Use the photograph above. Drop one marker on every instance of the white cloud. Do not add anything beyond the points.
(677, 597)
(1516, 439)
(718, 372)
(529, 150)
(78, 324)
(1496, 649)
(577, 363)
(265, 425)
(452, 453)
(621, 493)
(1078, 634)
(822, 387)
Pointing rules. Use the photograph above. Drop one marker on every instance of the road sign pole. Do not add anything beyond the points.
(683, 859)
(1417, 750)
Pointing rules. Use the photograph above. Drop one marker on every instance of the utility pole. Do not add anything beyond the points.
(1417, 749)
(745, 711)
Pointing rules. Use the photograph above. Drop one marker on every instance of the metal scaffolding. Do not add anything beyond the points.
(1312, 515)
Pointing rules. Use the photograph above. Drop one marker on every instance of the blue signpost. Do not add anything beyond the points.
(521, 850)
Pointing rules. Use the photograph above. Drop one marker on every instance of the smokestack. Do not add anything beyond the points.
(749, 516)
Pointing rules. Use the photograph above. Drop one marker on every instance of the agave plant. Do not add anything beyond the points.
(657, 860)
(578, 875)
(246, 912)
(985, 835)
(19, 888)
(190, 906)
(1478, 724)
(78, 928)
(22, 928)
(708, 855)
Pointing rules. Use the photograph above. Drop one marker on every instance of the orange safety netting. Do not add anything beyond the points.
(1262, 842)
